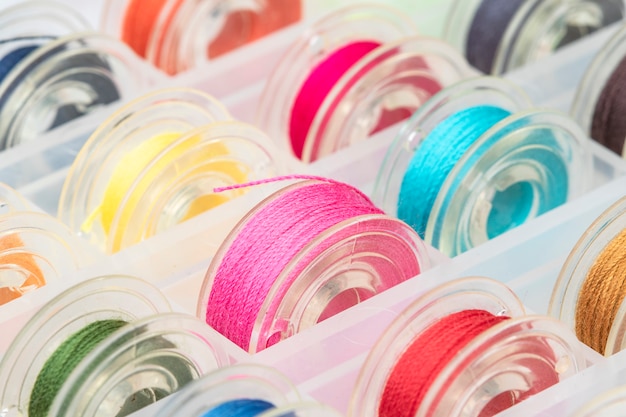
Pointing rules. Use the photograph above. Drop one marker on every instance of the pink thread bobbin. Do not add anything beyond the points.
(352, 74)
(305, 253)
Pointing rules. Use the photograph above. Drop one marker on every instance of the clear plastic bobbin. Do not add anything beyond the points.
(36, 250)
(236, 382)
(153, 355)
(341, 267)
(503, 365)
(537, 28)
(155, 163)
(244, 382)
(596, 78)
(385, 85)
(70, 72)
(186, 33)
(591, 244)
(530, 162)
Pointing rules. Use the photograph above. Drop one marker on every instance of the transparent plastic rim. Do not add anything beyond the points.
(471, 92)
(596, 77)
(451, 214)
(62, 316)
(574, 271)
(92, 383)
(260, 158)
(99, 144)
(314, 46)
(371, 69)
(428, 308)
(234, 382)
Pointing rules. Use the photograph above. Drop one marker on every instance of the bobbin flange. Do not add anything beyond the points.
(394, 73)
(522, 167)
(495, 363)
(180, 35)
(232, 383)
(525, 158)
(11, 201)
(573, 274)
(156, 162)
(596, 78)
(62, 80)
(36, 250)
(532, 29)
(139, 364)
(120, 297)
(340, 267)
(607, 404)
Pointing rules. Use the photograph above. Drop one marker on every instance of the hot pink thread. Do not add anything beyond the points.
(269, 241)
(272, 180)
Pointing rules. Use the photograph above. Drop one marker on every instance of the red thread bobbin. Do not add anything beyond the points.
(488, 355)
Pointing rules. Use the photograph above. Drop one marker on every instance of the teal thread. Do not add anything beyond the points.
(64, 360)
(436, 156)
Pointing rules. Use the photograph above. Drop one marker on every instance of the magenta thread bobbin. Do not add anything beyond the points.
(307, 252)
(353, 73)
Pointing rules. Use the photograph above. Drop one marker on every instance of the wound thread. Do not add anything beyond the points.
(488, 27)
(64, 360)
(436, 157)
(306, 253)
(318, 85)
(601, 295)
(608, 126)
(19, 262)
(267, 243)
(425, 358)
(240, 408)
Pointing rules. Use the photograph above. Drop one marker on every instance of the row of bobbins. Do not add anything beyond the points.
(112, 346)
(54, 68)
(354, 65)
(112, 205)
(173, 36)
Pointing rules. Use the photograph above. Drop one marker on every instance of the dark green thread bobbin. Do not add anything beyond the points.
(64, 360)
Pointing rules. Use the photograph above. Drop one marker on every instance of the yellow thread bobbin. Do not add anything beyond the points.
(155, 164)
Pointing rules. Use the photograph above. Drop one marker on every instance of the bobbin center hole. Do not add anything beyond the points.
(510, 208)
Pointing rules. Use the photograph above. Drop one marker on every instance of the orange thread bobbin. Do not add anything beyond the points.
(152, 28)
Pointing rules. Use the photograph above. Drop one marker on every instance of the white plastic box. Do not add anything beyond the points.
(324, 361)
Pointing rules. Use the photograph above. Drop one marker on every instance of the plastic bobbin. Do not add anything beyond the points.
(243, 382)
(342, 266)
(154, 355)
(232, 383)
(36, 250)
(185, 33)
(71, 72)
(201, 150)
(607, 404)
(494, 163)
(574, 272)
(536, 28)
(386, 84)
(497, 363)
(595, 79)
